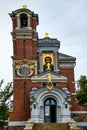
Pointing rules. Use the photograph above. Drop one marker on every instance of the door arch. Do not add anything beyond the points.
(50, 106)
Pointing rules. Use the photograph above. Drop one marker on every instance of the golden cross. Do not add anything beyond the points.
(48, 66)
(24, 6)
(46, 34)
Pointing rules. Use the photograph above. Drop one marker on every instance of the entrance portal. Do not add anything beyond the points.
(50, 110)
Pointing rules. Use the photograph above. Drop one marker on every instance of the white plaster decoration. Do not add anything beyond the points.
(43, 78)
(73, 94)
(67, 65)
(37, 115)
(22, 37)
(35, 67)
(16, 123)
(18, 20)
(34, 39)
(79, 112)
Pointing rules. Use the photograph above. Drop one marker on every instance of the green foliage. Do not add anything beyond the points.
(3, 112)
(82, 93)
(5, 95)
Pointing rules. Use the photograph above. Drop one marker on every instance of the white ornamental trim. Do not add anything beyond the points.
(16, 123)
(81, 123)
(73, 94)
(77, 112)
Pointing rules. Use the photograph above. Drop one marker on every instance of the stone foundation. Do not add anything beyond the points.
(79, 117)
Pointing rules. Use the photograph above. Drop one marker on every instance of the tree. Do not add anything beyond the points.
(82, 93)
(5, 98)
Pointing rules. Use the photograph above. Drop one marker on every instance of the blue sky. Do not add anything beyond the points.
(65, 20)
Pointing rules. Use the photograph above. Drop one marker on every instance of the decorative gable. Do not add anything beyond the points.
(43, 77)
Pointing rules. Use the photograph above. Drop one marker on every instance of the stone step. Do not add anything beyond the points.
(51, 126)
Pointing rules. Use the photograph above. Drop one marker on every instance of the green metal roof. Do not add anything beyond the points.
(48, 42)
(64, 57)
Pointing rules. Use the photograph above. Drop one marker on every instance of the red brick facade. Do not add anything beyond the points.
(25, 47)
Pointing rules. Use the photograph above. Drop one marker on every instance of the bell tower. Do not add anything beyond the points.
(24, 36)
(24, 33)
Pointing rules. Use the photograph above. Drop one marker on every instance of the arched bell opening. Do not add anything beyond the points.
(23, 21)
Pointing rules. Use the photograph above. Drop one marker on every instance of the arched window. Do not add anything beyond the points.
(23, 21)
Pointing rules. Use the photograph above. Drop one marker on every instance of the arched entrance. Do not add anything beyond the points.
(50, 106)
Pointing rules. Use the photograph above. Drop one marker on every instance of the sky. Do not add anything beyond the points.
(65, 20)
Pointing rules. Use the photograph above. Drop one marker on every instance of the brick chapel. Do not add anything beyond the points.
(43, 78)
